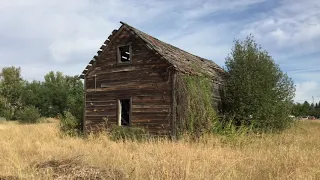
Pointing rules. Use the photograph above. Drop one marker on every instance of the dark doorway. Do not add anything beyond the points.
(125, 106)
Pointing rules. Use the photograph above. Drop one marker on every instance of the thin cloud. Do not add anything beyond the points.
(308, 91)
(303, 70)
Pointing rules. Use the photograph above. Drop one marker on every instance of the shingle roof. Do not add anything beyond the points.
(181, 60)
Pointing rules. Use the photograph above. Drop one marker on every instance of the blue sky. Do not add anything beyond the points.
(60, 35)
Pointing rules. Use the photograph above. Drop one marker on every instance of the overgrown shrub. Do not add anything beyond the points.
(69, 125)
(227, 127)
(127, 133)
(28, 114)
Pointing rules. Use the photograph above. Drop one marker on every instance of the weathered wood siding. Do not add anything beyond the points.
(218, 83)
(147, 80)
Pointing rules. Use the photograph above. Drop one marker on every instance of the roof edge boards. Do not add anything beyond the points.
(101, 51)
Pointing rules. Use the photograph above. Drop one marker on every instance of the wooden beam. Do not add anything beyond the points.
(110, 37)
(84, 106)
(114, 31)
(173, 105)
(81, 76)
(92, 61)
(85, 71)
(88, 67)
(99, 52)
(103, 47)
(106, 42)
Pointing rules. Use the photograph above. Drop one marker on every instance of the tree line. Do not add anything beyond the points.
(25, 100)
(306, 109)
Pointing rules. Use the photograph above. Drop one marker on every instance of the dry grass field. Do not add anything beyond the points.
(39, 152)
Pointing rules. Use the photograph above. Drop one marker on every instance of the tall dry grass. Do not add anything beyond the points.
(293, 154)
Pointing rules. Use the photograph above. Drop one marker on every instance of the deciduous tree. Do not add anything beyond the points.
(257, 91)
(11, 86)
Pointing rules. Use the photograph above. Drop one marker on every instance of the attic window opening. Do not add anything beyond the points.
(124, 54)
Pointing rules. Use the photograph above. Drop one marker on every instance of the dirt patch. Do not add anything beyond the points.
(73, 168)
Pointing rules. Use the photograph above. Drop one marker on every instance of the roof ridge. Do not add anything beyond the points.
(153, 41)
(180, 59)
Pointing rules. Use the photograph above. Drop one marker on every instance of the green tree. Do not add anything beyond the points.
(4, 110)
(60, 93)
(31, 94)
(318, 107)
(11, 86)
(305, 108)
(257, 91)
(297, 109)
(75, 97)
(312, 106)
(54, 94)
(28, 114)
(302, 109)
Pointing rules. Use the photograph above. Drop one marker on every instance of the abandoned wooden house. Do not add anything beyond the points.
(132, 79)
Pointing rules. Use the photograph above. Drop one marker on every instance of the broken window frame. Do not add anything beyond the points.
(119, 62)
(119, 109)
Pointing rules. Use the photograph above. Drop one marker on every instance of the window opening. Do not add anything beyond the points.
(124, 53)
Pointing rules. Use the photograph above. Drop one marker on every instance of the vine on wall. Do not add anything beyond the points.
(195, 111)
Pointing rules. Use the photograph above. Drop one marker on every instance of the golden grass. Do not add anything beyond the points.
(293, 154)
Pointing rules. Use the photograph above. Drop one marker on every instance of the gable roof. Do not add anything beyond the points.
(181, 60)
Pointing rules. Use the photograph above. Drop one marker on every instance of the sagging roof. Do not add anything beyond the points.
(181, 60)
